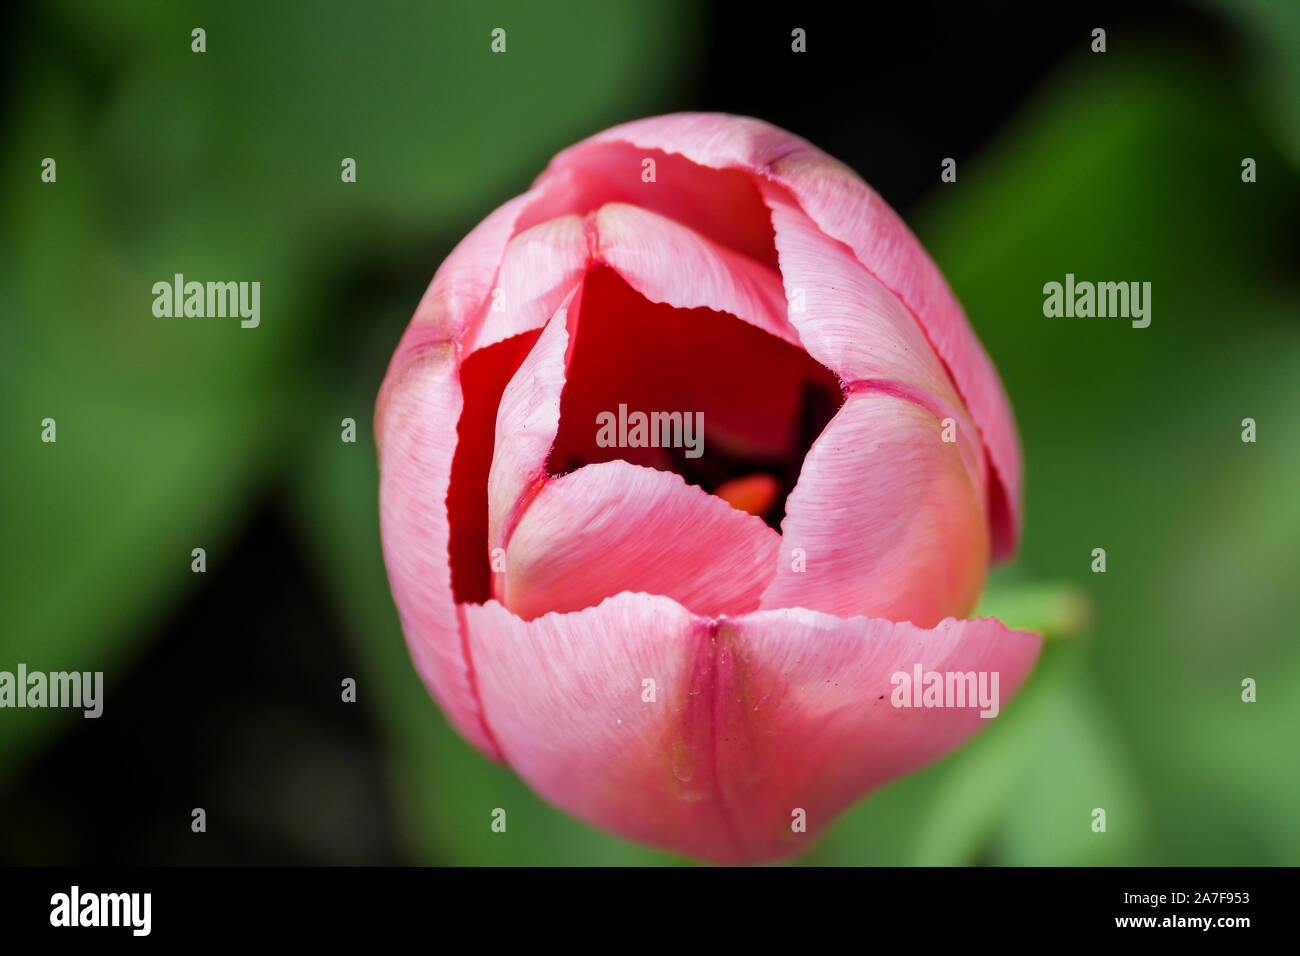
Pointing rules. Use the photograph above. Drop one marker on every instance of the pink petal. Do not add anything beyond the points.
(808, 717)
(527, 421)
(614, 526)
(848, 210)
(747, 721)
(540, 267)
(416, 447)
(668, 262)
(721, 204)
(714, 140)
(855, 326)
(885, 520)
(845, 317)
(565, 696)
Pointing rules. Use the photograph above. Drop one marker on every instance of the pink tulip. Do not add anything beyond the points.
(626, 627)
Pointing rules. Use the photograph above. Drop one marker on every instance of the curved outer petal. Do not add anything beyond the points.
(855, 326)
(416, 414)
(886, 517)
(461, 285)
(724, 206)
(846, 318)
(614, 526)
(846, 209)
(498, 283)
(808, 709)
(748, 719)
(539, 265)
(417, 438)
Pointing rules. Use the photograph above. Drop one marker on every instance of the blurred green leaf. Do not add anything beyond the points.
(1272, 33)
(1130, 170)
(225, 165)
(1054, 610)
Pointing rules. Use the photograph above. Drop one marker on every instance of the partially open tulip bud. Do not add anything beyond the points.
(687, 484)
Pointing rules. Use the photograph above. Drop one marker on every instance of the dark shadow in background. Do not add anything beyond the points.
(236, 709)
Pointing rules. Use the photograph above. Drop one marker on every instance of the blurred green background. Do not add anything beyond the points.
(223, 688)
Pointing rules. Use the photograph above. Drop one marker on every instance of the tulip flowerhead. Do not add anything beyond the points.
(686, 455)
